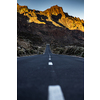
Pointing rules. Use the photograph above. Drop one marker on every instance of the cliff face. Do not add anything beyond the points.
(53, 15)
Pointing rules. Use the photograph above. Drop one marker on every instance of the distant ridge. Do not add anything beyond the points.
(55, 15)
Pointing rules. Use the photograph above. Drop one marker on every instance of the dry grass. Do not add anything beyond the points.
(69, 50)
(31, 51)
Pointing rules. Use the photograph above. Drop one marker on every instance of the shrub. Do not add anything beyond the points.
(20, 53)
(82, 54)
(70, 51)
(31, 51)
(27, 52)
(61, 51)
(79, 50)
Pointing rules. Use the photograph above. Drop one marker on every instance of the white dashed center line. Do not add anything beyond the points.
(49, 58)
(55, 93)
(50, 63)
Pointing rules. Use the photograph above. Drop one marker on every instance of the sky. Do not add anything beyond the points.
(72, 7)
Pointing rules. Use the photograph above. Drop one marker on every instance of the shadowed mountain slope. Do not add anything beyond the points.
(36, 28)
(55, 15)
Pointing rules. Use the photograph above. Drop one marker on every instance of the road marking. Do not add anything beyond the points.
(50, 63)
(49, 58)
(55, 93)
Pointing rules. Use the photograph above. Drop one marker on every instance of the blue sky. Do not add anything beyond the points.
(72, 7)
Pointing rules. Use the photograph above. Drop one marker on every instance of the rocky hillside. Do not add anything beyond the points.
(53, 26)
(55, 15)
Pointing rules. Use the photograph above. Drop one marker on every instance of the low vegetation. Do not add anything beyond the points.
(69, 50)
(36, 50)
(33, 51)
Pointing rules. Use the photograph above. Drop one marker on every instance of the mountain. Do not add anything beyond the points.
(50, 26)
(55, 15)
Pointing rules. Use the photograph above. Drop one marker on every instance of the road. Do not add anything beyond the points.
(50, 77)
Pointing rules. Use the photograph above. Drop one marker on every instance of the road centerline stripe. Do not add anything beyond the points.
(50, 63)
(55, 93)
(49, 58)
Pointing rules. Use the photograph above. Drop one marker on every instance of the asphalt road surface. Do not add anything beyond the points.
(50, 77)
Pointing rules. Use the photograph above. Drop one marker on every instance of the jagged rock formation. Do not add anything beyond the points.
(53, 15)
(41, 27)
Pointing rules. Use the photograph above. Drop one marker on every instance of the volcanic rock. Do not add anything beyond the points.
(53, 15)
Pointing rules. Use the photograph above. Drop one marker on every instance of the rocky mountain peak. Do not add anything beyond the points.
(38, 28)
(21, 7)
(54, 10)
(53, 15)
